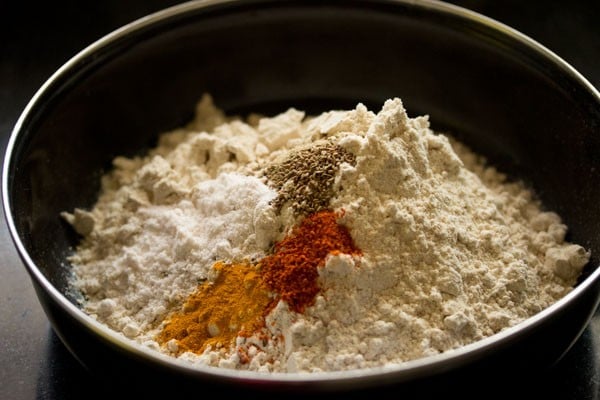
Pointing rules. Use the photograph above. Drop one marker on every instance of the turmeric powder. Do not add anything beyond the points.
(219, 311)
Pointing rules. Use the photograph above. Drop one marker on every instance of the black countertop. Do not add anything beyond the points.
(36, 39)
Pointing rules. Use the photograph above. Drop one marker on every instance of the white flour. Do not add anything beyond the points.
(452, 251)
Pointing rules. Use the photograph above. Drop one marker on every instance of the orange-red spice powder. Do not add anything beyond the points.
(292, 270)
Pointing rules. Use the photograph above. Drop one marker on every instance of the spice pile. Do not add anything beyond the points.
(300, 243)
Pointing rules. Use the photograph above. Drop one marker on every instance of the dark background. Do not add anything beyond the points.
(36, 38)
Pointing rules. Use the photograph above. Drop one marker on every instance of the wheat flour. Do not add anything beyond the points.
(452, 251)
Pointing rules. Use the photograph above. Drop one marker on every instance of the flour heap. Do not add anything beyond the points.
(443, 250)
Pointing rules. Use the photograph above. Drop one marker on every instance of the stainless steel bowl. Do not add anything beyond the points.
(505, 95)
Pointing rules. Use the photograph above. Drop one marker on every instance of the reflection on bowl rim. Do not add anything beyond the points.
(400, 372)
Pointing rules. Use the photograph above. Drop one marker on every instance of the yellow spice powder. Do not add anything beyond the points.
(219, 311)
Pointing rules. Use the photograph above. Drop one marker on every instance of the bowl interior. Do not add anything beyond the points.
(529, 113)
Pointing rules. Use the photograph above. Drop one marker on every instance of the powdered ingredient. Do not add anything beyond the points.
(231, 305)
(293, 270)
(450, 250)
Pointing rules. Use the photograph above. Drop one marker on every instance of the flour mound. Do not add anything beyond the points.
(452, 251)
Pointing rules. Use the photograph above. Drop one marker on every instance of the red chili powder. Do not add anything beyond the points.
(292, 270)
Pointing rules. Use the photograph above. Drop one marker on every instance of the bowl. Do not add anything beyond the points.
(509, 98)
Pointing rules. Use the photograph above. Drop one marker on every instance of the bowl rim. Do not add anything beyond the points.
(399, 372)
